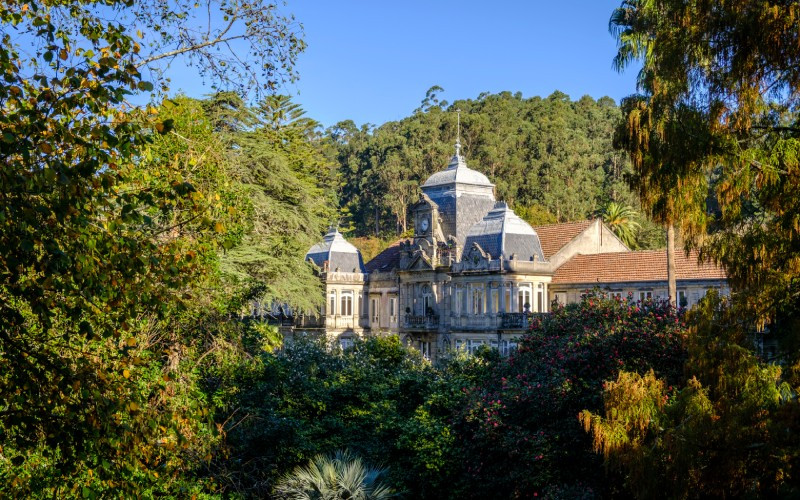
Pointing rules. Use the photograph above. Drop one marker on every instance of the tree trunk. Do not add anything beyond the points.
(672, 282)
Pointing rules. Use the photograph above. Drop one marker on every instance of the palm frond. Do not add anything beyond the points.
(341, 476)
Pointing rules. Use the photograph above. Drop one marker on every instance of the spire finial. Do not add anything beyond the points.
(458, 132)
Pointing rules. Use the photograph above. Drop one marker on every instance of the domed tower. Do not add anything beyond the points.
(335, 254)
(344, 280)
(462, 197)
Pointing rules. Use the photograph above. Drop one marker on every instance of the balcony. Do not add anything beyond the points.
(426, 322)
(518, 320)
(339, 322)
(514, 320)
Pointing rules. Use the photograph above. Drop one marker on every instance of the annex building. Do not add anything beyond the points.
(474, 272)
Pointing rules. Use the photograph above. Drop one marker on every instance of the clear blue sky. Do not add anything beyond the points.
(373, 61)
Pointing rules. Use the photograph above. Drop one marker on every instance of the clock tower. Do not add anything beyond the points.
(426, 219)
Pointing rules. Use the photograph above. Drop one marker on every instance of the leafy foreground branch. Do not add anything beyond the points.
(110, 233)
(732, 429)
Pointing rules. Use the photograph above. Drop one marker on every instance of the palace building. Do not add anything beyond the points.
(475, 272)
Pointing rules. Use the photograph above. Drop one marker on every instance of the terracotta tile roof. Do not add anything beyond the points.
(387, 260)
(647, 265)
(555, 236)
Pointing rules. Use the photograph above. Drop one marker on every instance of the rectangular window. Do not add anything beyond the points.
(346, 303)
(362, 310)
(332, 303)
(512, 346)
(477, 301)
(393, 309)
(561, 298)
(459, 344)
(457, 304)
(683, 301)
(524, 298)
(345, 343)
(507, 298)
(474, 345)
(464, 298)
(616, 295)
(643, 296)
(425, 349)
(539, 298)
(495, 301)
(375, 312)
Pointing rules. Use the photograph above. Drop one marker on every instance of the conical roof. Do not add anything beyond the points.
(502, 232)
(337, 252)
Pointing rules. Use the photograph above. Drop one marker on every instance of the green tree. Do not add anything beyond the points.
(276, 159)
(338, 477)
(535, 215)
(281, 409)
(714, 142)
(99, 242)
(730, 430)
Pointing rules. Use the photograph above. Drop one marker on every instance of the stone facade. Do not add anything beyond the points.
(474, 272)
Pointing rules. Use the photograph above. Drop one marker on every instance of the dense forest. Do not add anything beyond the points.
(550, 158)
(135, 238)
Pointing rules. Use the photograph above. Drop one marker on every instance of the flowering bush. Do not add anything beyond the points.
(521, 426)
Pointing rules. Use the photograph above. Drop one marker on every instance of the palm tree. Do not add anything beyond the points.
(342, 476)
(621, 219)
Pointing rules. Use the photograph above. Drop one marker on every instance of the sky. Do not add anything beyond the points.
(373, 61)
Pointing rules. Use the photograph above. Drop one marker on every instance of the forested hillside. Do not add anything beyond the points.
(551, 158)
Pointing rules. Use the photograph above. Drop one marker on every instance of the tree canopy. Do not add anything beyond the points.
(110, 224)
(713, 140)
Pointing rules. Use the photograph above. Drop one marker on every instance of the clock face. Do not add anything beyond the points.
(423, 224)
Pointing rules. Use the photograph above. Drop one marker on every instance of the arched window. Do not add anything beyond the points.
(346, 308)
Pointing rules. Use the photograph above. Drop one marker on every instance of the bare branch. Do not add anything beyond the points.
(191, 48)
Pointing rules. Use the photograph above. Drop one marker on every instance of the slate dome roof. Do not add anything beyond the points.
(457, 172)
(502, 232)
(337, 252)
